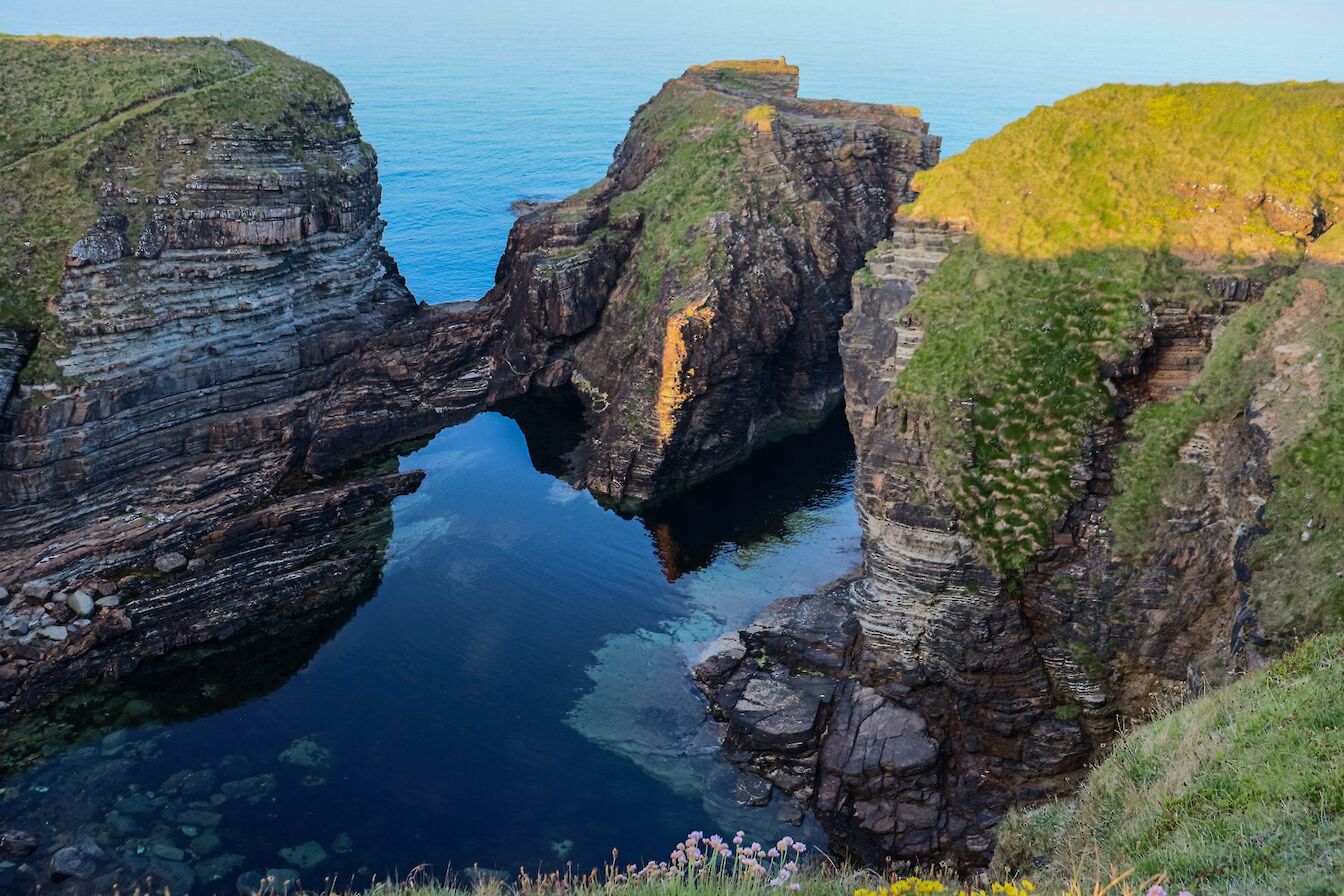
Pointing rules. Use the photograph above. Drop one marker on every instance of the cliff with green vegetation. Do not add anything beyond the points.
(99, 124)
(190, 254)
(694, 295)
(1091, 379)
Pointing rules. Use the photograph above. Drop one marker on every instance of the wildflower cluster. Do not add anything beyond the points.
(1021, 887)
(907, 886)
(699, 857)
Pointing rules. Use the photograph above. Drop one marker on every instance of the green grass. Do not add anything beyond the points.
(51, 87)
(1239, 792)
(76, 107)
(1178, 167)
(697, 137)
(1083, 214)
(1009, 374)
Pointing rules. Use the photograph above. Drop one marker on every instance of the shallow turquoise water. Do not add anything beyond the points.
(516, 691)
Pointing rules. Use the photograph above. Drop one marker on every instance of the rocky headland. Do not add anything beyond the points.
(202, 363)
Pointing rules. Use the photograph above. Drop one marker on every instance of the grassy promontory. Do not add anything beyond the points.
(1083, 216)
(87, 121)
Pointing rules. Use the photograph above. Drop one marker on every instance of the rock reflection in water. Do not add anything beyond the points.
(480, 709)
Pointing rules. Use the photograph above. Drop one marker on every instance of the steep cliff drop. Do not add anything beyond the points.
(1061, 501)
(190, 273)
(694, 295)
(203, 335)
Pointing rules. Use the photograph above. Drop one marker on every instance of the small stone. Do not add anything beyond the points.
(113, 742)
(80, 602)
(199, 818)
(753, 790)
(167, 851)
(37, 590)
(200, 783)
(110, 602)
(248, 786)
(121, 825)
(105, 588)
(139, 709)
(206, 843)
(790, 812)
(172, 875)
(135, 804)
(70, 861)
(306, 752)
(54, 632)
(305, 855)
(170, 562)
(4, 593)
(17, 844)
(219, 867)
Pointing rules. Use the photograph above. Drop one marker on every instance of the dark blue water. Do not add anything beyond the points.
(516, 691)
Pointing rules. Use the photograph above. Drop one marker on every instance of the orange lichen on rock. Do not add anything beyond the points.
(672, 387)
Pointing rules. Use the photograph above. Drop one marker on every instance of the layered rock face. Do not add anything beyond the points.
(232, 337)
(694, 295)
(928, 696)
(160, 493)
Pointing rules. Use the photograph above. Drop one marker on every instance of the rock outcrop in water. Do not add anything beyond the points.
(694, 295)
(230, 270)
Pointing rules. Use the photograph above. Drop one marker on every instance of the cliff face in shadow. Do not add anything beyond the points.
(694, 295)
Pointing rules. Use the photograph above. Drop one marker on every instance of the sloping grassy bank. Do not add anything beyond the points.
(1239, 792)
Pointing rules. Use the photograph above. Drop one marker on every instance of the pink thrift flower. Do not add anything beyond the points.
(773, 853)
(1157, 890)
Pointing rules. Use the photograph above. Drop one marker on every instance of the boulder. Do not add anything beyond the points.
(170, 562)
(80, 602)
(17, 844)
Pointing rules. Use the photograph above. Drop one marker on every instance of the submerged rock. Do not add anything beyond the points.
(17, 844)
(305, 855)
(307, 753)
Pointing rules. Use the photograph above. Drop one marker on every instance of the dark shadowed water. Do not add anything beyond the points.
(516, 691)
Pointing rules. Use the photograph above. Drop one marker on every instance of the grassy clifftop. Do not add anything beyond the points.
(77, 109)
(1085, 215)
(1233, 170)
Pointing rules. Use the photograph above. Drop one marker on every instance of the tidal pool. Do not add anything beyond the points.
(515, 693)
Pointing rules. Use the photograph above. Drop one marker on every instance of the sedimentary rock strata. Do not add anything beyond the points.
(949, 692)
(694, 295)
